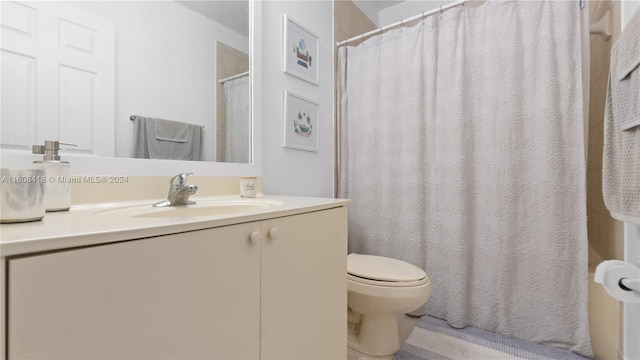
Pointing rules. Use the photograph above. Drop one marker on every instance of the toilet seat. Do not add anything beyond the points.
(384, 271)
(387, 283)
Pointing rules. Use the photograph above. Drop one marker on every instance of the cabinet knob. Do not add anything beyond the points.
(255, 237)
(273, 233)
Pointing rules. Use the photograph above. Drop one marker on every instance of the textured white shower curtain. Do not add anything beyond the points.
(238, 120)
(461, 147)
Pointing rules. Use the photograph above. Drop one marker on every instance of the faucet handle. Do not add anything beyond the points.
(179, 180)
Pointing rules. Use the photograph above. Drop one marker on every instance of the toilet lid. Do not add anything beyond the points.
(383, 268)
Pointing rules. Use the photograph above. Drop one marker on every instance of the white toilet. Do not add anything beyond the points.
(379, 289)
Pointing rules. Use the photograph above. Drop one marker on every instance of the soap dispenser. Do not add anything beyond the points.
(57, 189)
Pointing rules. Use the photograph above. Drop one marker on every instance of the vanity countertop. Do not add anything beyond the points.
(85, 225)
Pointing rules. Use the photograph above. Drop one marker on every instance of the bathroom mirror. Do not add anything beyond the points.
(164, 59)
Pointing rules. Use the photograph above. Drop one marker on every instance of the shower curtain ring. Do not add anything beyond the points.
(402, 23)
(440, 12)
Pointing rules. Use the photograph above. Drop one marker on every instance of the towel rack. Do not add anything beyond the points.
(602, 27)
(133, 117)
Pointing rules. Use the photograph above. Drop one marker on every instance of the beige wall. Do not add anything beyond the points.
(605, 233)
(349, 20)
(229, 62)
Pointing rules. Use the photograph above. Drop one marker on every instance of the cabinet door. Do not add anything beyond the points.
(182, 296)
(304, 286)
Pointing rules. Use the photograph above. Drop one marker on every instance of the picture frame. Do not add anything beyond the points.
(301, 122)
(301, 48)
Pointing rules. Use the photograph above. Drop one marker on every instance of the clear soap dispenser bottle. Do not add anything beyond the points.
(57, 189)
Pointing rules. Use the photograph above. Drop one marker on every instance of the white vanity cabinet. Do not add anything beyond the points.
(270, 289)
(304, 286)
(181, 296)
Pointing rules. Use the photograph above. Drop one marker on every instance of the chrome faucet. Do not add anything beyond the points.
(179, 192)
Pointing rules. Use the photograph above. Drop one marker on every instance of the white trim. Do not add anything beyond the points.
(3, 309)
(631, 312)
(82, 164)
(627, 9)
(93, 165)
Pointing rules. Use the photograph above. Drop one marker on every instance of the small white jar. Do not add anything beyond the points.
(248, 185)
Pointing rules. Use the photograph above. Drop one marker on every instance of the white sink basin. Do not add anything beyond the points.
(199, 209)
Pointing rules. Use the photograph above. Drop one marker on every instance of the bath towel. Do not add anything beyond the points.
(621, 154)
(172, 131)
(165, 139)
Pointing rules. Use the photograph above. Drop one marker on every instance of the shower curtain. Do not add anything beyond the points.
(461, 147)
(237, 102)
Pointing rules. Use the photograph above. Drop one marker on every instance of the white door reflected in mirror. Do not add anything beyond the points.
(103, 61)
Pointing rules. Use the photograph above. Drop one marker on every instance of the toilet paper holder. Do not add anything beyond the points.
(620, 279)
(627, 284)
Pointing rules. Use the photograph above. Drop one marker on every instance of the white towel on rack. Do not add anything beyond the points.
(621, 153)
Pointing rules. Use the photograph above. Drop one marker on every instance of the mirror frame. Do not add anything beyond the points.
(96, 165)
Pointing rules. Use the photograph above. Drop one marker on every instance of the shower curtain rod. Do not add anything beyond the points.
(415, 17)
(233, 77)
(402, 22)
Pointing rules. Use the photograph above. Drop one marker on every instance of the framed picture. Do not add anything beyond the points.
(300, 51)
(301, 120)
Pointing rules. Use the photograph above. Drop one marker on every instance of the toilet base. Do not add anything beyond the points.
(377, 336)
(356, 355)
